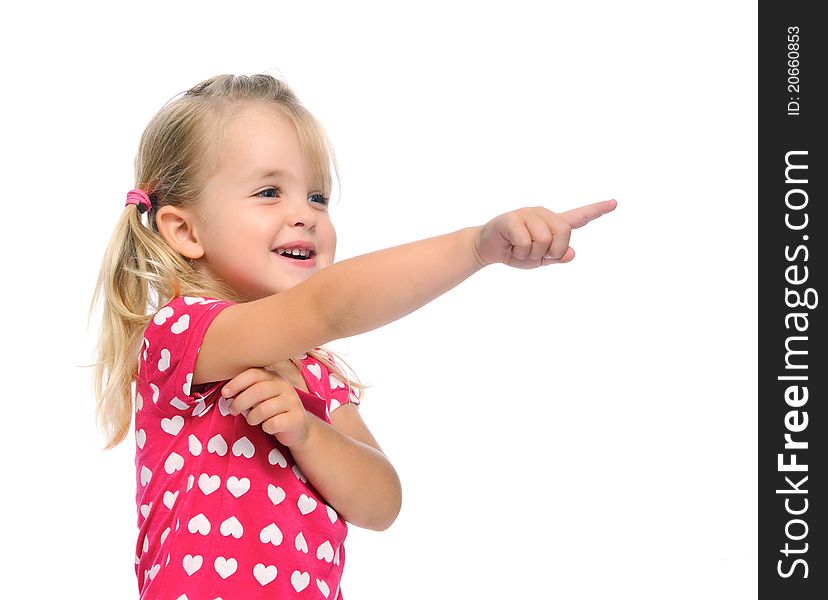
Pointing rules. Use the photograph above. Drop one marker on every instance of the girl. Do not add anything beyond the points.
(220, 289)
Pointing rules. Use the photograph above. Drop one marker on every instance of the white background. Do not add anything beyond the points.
(578, 431)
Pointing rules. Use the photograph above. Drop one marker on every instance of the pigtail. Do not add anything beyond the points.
(123, 293)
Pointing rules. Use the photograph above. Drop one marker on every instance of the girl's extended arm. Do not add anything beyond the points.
(344, 299)
(383, 286)
(365, 292)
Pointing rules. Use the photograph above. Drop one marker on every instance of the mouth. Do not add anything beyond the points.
(296, 253)
(297, 257)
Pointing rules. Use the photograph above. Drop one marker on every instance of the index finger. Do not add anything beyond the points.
(245, 379)
(578, 217)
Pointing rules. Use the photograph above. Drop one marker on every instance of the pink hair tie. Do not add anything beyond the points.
(140, 198)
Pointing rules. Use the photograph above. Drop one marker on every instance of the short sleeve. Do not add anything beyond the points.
(341, 391)
(172, 340)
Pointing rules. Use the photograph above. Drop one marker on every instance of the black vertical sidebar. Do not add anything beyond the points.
(793, 338)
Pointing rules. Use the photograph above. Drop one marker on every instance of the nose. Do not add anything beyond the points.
(301, 214)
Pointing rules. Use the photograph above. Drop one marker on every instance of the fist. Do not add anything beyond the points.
(265, 398)
(533, 237)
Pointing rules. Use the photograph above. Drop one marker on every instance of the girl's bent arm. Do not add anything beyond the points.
(347, 467)
(344, 299)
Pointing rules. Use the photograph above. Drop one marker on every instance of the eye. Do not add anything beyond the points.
(270, 189)
(320, 199)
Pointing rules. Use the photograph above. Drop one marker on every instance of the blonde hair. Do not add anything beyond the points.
(140, 272)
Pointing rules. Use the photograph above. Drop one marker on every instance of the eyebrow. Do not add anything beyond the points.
(264, 174)
(267, 173)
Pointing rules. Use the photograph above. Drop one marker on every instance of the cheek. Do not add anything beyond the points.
(332, 241)
(238, 237)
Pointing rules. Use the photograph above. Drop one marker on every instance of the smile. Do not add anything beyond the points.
(298, 260)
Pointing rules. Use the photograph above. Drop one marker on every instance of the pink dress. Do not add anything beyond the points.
(223, 509)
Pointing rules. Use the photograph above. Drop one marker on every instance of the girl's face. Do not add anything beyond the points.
(261, 199)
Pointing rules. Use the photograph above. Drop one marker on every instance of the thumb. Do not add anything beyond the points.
(567, 256)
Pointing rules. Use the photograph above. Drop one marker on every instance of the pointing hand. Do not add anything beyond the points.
(534, 237)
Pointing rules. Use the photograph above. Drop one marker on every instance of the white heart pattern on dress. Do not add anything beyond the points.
(217, 445)
(200, 524)
(225, 566)
(271, 535)
(331, 514)
(172, 425)
(140, 438)
(306, 504)
(277, 458)
(155, 393)
(323, 587)
(179, 404)
(238, 487)
(316, 370)
(300, 543)
(190, 481)
(162, 315)
(243, 447)
(164, 361)
(264, 574)
(325, 552)
(139, 402)
(275, 493)
(169, 498)
(146, 475)
(335, 382)
(187, 384)
(154, 571)
(164, 537)
(192, 563)
(224, 405)
(299, 580)
(208, 484)
(299, 475)
(231, 526)
(190, 300)
(174, 463)
(181, 325)
(194, 445)
(145, 509)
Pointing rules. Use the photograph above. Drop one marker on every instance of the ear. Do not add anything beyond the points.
(178, 227)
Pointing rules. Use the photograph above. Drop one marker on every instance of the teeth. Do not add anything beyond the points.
(294, 252)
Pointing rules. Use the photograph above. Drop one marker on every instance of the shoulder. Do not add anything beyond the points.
(170, 346)
(189, 305)
(177, 314)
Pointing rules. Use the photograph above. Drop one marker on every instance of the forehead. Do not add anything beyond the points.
(260, 139)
